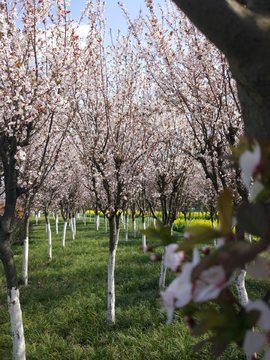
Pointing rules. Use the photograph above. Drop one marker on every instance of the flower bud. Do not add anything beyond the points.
(205, 250)
(155, 257)
(147, 248)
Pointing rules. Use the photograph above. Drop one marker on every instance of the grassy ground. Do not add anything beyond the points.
(64, 305)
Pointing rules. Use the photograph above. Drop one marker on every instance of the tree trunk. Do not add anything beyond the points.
(36, 216)
(111, 267)
(25, 251)
(240, 282)
(14, 308)
(105, 224)
(240, 286)
(64, 233)
(143, 236)
(49, 236)
(162, 277)
(134, 228)
(74, 224)
(97, 222)
(56, 222)
(7, 259)
(126, 234)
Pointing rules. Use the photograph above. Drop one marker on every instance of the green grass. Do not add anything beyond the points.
(64, 305)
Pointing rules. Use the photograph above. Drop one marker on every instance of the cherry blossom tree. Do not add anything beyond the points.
(113, 135)
(32, 121)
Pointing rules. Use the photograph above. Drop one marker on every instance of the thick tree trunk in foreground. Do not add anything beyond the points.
(13, 299)
(242, 33)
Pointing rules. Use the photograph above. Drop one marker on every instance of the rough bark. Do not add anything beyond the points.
(240, 287)
(13, 299)
(242, 33)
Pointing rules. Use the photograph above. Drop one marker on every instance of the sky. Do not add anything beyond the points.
(115, 20)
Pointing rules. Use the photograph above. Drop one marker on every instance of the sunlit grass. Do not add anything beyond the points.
(64, 305)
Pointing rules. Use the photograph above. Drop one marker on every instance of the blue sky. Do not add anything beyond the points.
(113, 13)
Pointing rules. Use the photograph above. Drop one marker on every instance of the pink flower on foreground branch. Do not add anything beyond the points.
(210, 283)
(182, 290)
(248, 162)
(254, 342)
(174, 258)
(179, 292)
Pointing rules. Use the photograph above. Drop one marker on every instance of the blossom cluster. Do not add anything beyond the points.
(207, 279)
(182, 289)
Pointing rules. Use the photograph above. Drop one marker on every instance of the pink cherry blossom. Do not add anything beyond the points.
(179, 292)
(210, 283)
(248, 162)
(253, 341)
(174, 258)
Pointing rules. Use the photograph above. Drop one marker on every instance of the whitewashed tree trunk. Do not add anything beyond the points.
(111, 288)
(64, 233)
(39, 214)
(36, 216)
(84, 219)
(74, 225)
(56, 223)
(162, 277)
(186, 223)
(154, 222)
(97, 222)
(46, 228)
(114, 236)
(25, 261)
(15, 313)
(105, 224)
(240, 286)
(72, 230)
(126, 234)
(134, 228)
(49, 242)
(123, 221)
(143, 236)
(213, 226)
